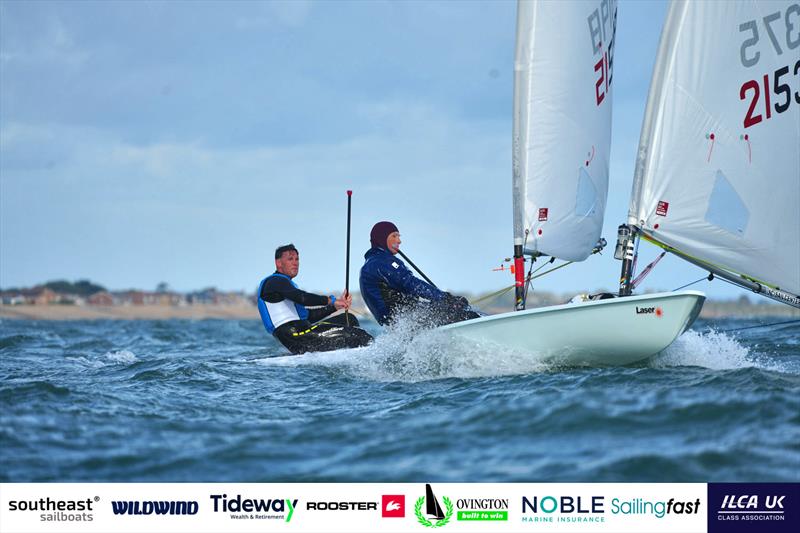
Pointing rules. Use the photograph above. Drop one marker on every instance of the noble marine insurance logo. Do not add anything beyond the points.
(563, 509)
(749, 507)
(254, 508)
(433, 516)
(50, 510)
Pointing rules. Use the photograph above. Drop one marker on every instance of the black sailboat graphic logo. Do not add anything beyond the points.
(438, 516)
(432, 507)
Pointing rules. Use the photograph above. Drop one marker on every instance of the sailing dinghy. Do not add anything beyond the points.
(716, 182)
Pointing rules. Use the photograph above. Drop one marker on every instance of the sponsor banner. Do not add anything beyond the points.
(362, 507)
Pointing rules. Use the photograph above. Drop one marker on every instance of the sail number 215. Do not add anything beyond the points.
(777, 95)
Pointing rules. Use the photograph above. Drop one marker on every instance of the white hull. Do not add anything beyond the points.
(612, 332)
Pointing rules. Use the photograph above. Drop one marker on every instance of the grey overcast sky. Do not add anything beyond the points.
(183, 141)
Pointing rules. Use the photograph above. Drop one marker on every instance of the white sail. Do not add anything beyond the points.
(718, 170)
(563, 73)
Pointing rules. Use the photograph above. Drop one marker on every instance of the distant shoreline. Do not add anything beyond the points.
(711, 309)
(127, 312)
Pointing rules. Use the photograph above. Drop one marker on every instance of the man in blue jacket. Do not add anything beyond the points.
(389, 288)
(282, 306)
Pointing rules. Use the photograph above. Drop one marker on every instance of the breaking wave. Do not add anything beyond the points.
(716, 351)
(409, 352)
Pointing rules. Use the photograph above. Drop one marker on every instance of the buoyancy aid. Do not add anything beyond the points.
(274, 315)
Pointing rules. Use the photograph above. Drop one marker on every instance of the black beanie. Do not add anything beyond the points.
(380, 232)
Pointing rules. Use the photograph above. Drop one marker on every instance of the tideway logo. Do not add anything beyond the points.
(550, 509)
(482, 509)
(254, 509)
(434, 516)
(155, 507)
(57, 510)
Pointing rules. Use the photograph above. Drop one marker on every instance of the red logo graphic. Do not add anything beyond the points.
(661, 208)
(542, 214)
(393, 505)
(659, 312)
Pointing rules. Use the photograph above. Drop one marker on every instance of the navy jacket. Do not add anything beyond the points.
(386, 283)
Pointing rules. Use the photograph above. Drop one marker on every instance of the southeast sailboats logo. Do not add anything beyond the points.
(433, 509)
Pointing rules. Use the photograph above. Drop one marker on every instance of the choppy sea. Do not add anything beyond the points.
(220, 400)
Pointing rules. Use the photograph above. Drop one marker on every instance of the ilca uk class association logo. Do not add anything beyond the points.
(433, 516)
(753, 507)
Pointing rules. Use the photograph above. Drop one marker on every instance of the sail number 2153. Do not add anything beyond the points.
(773, 90)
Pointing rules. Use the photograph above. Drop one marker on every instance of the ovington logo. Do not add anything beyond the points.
(434, 516)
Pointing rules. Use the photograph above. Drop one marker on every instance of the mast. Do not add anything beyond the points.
(519, 153)
(561, 138)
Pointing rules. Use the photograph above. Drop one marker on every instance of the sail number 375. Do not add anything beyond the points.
(783, 30)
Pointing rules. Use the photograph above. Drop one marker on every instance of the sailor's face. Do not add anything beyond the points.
(288, 263)
(393, 242)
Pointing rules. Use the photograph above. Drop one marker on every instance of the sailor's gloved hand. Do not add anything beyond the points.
(343, 302)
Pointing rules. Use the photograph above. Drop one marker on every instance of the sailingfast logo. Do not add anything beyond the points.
(254, 508)
(155, 507)
(57, 510)
(433, 515)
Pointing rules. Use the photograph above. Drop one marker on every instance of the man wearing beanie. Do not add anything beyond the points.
(389, 288)
(282, 306)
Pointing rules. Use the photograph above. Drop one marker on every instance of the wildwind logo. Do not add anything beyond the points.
(433, 509)
(155, 507)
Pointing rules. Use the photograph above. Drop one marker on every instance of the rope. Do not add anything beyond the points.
(551, 270)
(758, 326)
(541, 266)
(530, 277)
(646, 270)
(527, 280)
(692, 283)
(493, 295)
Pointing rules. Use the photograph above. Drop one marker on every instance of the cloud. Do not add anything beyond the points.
(288, 13)
(52, 43)
(419, 167)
